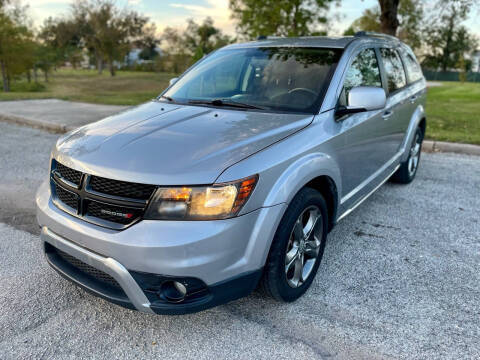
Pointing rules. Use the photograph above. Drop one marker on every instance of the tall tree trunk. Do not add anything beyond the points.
(29, 76)
(99, 65)
(35, 74)
(448, 44)
(388, 16)
(111, 67)
(6, 82)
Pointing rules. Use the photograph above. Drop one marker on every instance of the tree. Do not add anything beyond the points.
(149, 43)
(204, 38)
(107, 31)
(410, 19)
(46, 58)
(16, 49)
(388, 16)
(183, 49)
(64, 38)
(279, 17)
(447, 40)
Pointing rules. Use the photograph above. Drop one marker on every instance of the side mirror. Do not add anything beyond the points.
(173, 81)
(363, 98)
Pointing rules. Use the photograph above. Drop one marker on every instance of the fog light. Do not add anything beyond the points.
(173, 291)
(180, 287)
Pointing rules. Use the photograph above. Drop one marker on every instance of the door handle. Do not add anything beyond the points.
(387, 114)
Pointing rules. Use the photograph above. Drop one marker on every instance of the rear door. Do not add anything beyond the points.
(415, 79)
(397, 111)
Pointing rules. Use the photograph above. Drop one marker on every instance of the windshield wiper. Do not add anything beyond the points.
(226, 102)
(166, 97)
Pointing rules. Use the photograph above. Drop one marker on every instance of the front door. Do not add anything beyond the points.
(366, 141)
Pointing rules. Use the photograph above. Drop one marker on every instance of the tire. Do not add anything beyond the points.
(277, 281)
(408, 169)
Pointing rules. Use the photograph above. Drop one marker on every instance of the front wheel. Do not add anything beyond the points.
(297, 247)
(408, 169)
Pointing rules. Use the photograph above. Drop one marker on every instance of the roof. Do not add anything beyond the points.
(315, 41)
(306, 41)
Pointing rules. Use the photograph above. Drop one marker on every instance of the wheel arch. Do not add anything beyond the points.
(318, 171)
(418, 119)
(423, 125)
(326, 186)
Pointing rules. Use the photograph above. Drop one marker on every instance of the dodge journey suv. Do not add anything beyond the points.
(233, 177)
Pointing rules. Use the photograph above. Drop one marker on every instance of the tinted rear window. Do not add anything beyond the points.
(394, 69)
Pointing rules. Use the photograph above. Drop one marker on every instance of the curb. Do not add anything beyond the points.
(38, 124)
(457, 148)
(428, 145)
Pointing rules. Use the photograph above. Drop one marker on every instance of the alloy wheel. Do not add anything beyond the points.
(303, 246)
(414, 155)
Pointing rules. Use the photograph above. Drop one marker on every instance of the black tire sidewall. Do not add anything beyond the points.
(402, 175)
(412, 176)
(275, 269)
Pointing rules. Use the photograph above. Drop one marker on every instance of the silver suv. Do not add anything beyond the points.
(234, 176)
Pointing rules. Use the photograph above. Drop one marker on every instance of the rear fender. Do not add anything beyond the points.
(415, 120)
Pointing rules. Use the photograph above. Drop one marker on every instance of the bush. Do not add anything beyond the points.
(145, 67)
(27, 87)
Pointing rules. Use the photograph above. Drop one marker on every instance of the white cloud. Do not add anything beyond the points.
(217, 9)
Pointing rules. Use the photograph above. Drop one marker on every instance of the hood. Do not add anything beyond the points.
(167, 144)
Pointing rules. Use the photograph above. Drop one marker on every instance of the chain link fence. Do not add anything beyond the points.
(450, 75)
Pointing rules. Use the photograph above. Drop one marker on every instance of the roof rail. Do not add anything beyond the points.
(264, 37)
(375, 34)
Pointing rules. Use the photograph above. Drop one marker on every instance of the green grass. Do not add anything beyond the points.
(453, 109)
(453, 112)
(126, 88)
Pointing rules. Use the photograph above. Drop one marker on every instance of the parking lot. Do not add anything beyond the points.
(400, 279)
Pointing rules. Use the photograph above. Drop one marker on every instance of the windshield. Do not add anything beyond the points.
(274, 78)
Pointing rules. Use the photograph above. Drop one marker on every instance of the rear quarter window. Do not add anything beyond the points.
(414, 71)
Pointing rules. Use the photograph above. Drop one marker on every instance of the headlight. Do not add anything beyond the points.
(219, 201)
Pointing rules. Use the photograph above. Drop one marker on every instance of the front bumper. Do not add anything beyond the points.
(226, 256)
(140, 291)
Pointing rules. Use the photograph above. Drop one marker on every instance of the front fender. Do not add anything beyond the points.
(300, 173)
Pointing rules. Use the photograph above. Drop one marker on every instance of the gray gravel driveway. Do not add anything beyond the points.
(400, 279)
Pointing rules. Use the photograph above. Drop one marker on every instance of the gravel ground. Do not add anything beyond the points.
(400, 279)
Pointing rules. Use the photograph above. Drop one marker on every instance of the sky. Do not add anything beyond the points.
(174, 13)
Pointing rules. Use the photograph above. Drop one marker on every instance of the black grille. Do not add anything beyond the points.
(67, 197)
(121, 188)
(71, 175)
(87, 269)
(110, 203)
(116, 214)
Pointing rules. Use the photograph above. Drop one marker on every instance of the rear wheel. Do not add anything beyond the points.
(297, 247)
(408, 169)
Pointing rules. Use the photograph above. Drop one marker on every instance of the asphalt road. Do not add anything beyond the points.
(400, 279)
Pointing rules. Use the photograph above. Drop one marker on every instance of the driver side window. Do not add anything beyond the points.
(364, 71)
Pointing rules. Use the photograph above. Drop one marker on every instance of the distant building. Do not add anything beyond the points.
(133, 57)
